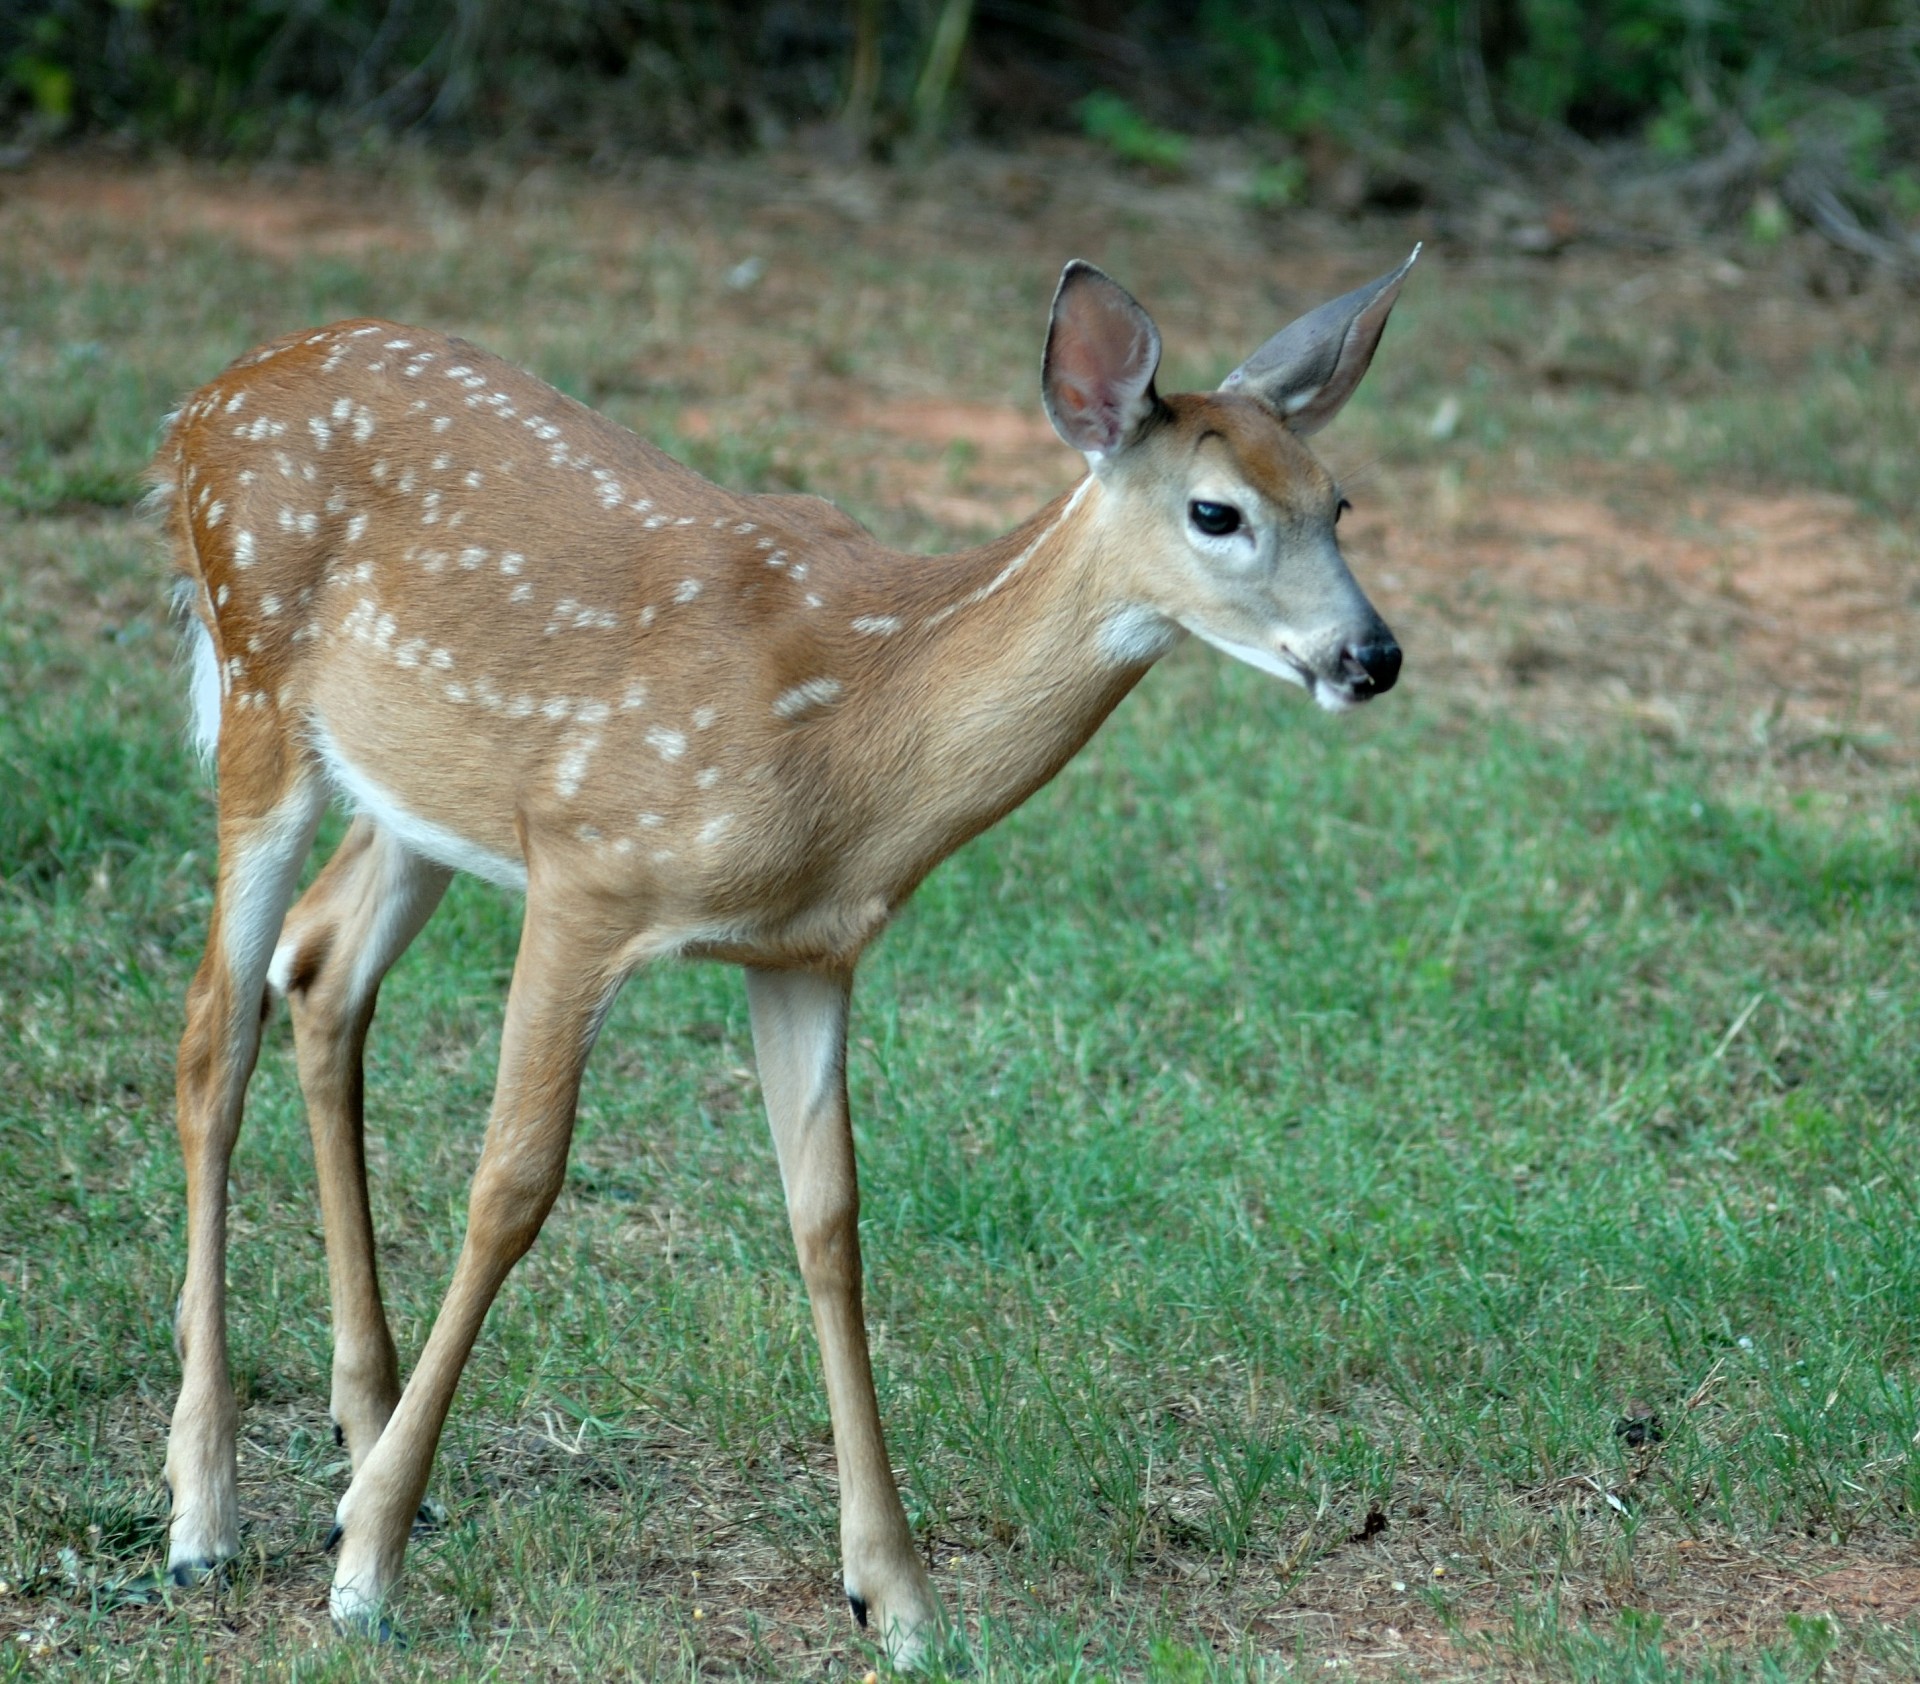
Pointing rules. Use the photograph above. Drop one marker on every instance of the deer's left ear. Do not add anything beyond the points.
(1308, 370)
(1097, 374)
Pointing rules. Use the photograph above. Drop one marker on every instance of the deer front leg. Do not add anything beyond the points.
(260, 857)
(340, 940)
(800, 1043)
(563, 982)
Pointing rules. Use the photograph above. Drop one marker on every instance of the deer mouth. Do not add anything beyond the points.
(1361, 672)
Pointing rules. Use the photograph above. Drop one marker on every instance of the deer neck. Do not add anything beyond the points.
(1023, 648)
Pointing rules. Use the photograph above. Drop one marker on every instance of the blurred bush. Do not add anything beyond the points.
(307, 75)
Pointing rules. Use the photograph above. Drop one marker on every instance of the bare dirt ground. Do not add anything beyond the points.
(1780, 625)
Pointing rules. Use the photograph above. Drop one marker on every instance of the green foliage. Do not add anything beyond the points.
(260, 75)
(1109, 119)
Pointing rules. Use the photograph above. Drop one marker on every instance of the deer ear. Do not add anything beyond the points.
(1097, 374)
(1308, 370)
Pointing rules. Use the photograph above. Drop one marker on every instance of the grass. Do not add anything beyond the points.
(1294, 1152)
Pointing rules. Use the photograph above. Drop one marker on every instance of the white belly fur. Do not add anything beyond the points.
(425, 838)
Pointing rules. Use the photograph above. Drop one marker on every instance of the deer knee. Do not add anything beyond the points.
(509, 1204)
(826, 1235)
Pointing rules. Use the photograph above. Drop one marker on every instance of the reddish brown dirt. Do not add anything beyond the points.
(309, 214)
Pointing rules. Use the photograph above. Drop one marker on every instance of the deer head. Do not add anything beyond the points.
(1216, 514)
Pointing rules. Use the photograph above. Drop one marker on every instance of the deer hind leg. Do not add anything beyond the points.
(262, 845)
(800, 1042)
(340, 940)
(563, 981)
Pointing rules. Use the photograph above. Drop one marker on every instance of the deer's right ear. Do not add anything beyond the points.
(1102, 351)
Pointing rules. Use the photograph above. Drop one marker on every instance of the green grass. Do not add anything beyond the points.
(1272, 1122)
(1276, 1122)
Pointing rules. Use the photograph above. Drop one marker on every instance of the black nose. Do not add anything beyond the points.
(1374, 665)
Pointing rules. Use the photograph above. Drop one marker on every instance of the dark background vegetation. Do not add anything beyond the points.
(1757, 111)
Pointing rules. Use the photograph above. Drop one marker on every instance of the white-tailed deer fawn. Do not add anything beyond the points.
(519, 641)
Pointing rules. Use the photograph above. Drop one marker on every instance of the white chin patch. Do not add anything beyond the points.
(1332, 699)
(1265, 660)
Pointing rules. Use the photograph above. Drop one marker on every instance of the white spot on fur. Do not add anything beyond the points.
(571, 768)
(669, 745)
(243, 549)
(803, 698)
(876, 625)
(686, 590)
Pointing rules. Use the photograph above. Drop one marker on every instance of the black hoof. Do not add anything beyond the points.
(859, 1607)
(368, 1628)
(334, 1534)
(185, 1574)
(339, 1436)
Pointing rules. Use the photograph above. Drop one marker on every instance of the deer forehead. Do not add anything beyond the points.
(1227, 448)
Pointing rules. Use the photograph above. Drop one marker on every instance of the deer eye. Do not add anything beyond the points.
(1339, 509)
(1216, 520)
